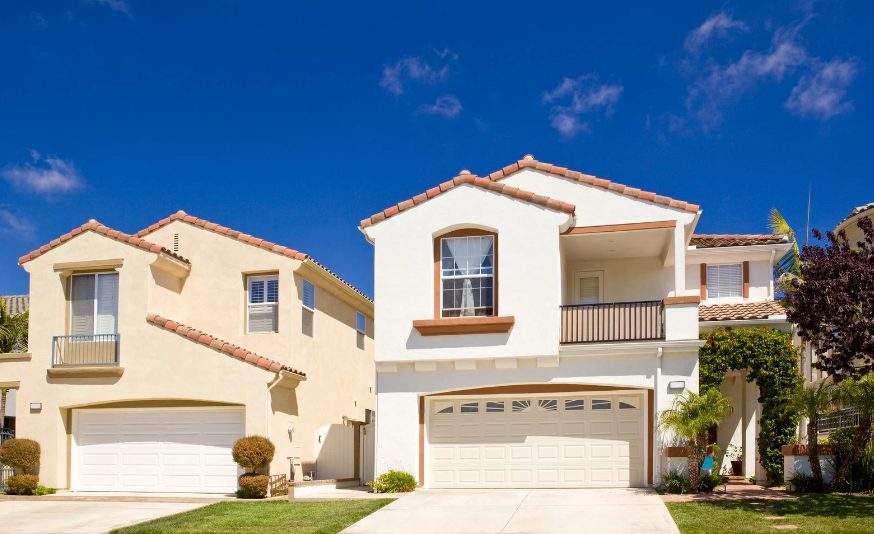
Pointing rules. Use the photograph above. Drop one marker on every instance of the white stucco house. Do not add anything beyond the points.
(533, 322)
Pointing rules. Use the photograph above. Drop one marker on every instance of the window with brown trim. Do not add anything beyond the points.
(465, 274)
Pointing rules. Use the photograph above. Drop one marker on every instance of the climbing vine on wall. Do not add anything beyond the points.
(772, 361)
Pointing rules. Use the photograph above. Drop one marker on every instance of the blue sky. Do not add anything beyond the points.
(293, 121)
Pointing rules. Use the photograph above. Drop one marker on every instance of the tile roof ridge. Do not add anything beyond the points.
(93, 226)
(220, 344)
(246, 238)
(476, 181)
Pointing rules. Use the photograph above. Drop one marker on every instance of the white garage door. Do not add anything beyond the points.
(554, 441)
(162, 450)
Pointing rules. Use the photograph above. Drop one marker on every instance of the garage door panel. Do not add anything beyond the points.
(157, 450)
(537, 444)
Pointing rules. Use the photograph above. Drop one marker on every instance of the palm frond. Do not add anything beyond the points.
(790, 263)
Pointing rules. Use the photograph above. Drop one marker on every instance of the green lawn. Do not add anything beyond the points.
(262, 517)
(820, 514)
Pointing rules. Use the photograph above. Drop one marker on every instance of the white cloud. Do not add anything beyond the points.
(412, 69)
(820, 93)
(716, 25)
(586, 96)
(10, 224)
(446, 53)
(722, 84)
(46, 176)
(446, 105)
(115, 5)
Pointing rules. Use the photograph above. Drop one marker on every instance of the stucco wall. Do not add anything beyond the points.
(626, 279)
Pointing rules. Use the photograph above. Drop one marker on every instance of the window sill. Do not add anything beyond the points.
(16, 356)
(461, 326)
(86, 371)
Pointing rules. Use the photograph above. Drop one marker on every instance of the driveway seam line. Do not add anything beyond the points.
(514, 512)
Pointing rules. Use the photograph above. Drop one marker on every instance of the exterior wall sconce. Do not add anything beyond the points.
(677, 384)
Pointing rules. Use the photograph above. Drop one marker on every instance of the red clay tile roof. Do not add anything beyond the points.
(736, 240)
(220, 345)
(739, 311)
(529, 162)
(472, 179)
(245, 238)
(94, 226)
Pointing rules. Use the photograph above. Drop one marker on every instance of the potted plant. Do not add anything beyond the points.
(734, 455)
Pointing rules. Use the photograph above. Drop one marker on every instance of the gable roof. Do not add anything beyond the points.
(466, 178)
(736, 240)
(220, 345)
(740, 311)
(529, 162)
(246, 238)
(94, 226)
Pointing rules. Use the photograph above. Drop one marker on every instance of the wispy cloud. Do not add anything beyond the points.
(446, 53)
(717, 25)
(115, 5)
(821, 93)
(447, 106)
(586, 96)
(410, 69)
(17, 226)
(47, 176)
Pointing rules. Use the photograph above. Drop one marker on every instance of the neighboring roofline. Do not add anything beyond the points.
(251, 240)
(854, 216)
(94, 226)
(221, 345)
(474, 180)
(529, 162)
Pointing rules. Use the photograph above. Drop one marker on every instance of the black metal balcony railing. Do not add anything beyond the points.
(98, 349)
(848, 417)
(614, 321)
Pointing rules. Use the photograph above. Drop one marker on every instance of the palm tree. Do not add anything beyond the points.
(860, 395)
(691, 416)
(809, 401)
(789, 266)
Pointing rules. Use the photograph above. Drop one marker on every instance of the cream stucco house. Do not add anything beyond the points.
(151, 354)
(534, 322)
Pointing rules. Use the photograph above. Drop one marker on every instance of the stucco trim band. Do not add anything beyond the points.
(460, 326)
(86, 371)
(16, 356)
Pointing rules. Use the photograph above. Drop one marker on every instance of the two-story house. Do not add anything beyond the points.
(533, 323)
(151, 354)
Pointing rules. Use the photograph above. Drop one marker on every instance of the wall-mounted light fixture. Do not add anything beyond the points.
(36, 406)
(677, 384)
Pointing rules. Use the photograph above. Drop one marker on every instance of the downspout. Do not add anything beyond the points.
(656, 457)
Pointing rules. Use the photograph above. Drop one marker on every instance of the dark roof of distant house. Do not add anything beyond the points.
(17, 304)
(736, 240)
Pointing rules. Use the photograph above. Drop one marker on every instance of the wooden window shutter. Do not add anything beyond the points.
(703, 281)
(746, 279)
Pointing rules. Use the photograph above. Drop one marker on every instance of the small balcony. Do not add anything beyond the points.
(85, 350)
(613, 321)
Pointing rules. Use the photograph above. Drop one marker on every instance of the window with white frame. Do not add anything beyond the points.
(361, 327)
(262, 309)
(725, 280)
(308, 311)
(94, 304)
(467, 276)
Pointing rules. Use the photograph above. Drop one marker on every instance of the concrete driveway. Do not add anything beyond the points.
(81, 517)
(601, 511)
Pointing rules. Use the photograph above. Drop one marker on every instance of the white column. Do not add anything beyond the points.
(750, 404)
(679, 260)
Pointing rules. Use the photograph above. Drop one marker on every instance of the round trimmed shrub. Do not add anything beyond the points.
(21, 484)
(394, 482)
(253, 486)
(19, 453)
(253, 452)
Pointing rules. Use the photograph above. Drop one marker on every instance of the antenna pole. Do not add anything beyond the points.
(807, 230)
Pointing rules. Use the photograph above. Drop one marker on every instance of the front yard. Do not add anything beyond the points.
(815, 514)
(264, 517)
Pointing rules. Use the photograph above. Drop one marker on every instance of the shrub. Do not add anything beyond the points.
(19, 453)
(675, 482)
(394, 482)
(21, 484)
(708, 481)
(802, 482)
(42, 490)
(861, 475)
(253, 452)
(253, 486)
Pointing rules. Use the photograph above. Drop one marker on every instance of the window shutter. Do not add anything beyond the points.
(107, 303)
(590, 290)
(82, 306)
(309, 295)
(307, 322)
(263, 319)
(724, 281)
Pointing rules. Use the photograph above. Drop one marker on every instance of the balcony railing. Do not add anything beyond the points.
(99, 349)
(614, 321)
(848, 417)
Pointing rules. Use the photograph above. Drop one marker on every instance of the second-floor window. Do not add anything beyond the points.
(724, 280)
(467, 276)
(308, 311)
(263, 306)
(361, 328)
(94, 304)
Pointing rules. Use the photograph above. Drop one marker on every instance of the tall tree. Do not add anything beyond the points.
(809, 401)
(833, 302)
(691, 417)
